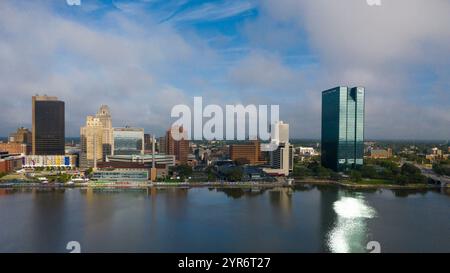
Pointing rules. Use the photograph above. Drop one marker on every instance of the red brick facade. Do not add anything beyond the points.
(14, 148)
(10, 164)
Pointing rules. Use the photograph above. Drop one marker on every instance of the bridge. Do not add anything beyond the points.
(443, 180)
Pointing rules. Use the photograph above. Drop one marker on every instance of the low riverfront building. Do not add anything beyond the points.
(121, 176)
(34, 161)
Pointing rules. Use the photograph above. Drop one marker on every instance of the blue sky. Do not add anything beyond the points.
(143, 57)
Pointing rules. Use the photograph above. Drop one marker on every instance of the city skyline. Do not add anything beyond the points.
(103, 115)
(229, 52)
(221, 132)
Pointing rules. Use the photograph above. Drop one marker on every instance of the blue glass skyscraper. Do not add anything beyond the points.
(342, 128)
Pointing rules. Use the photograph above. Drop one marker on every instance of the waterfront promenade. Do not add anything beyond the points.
(283, 183)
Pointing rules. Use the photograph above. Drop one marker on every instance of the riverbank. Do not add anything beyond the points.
(25, 184)
(363, 185)
(344, 184)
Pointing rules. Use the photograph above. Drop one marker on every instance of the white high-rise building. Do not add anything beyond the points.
(280, 132)
(281, 159)
(284, 133)
(91, 148)
(104, 116)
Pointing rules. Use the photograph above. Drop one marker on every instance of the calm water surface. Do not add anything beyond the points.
(303, 219)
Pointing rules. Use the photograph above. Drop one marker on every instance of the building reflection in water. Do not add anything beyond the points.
(281, 197)
(237, 193)
(175, 200)
(349, 233)
(173, 204)
(51, 203)
(446, 191)
(7, 191)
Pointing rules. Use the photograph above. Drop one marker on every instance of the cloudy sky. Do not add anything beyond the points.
(143, 57)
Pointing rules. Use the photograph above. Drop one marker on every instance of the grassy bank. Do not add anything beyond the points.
(15, 177)
(366, 184)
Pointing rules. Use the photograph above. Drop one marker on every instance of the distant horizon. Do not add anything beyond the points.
(444, 141)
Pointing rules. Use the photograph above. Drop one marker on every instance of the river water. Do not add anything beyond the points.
(301, 219)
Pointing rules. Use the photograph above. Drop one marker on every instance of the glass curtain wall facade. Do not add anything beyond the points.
(342, 128)
(120, 175)
(128, 141)
(48, 137)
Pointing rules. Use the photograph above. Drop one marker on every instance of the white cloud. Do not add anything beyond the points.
(376, 47)
(262, 71)
(141, 68)
(87, 67)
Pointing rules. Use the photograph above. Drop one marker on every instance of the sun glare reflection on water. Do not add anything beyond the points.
(349, 233)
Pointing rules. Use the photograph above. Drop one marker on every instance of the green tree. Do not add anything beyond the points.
(335, 176)
(355, 176)
(410, 174)
(368, 171)
(211, 175)
(301, 171)
(313, 165)
(183, 170)
(235, 175)
(409, 169)
(64, 177)
(441, 169)
(89, 172)
(401, 179)
(322, 172)
(241, 161)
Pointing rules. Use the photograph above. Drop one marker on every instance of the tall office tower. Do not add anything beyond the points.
(280, 132)
(282, 158)
(162, 145)
(128, 141)
(91, 142)
(48, 133)
(104, 116)
(342, 128)
(22, 136)
(148, 143)
(178, 148)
